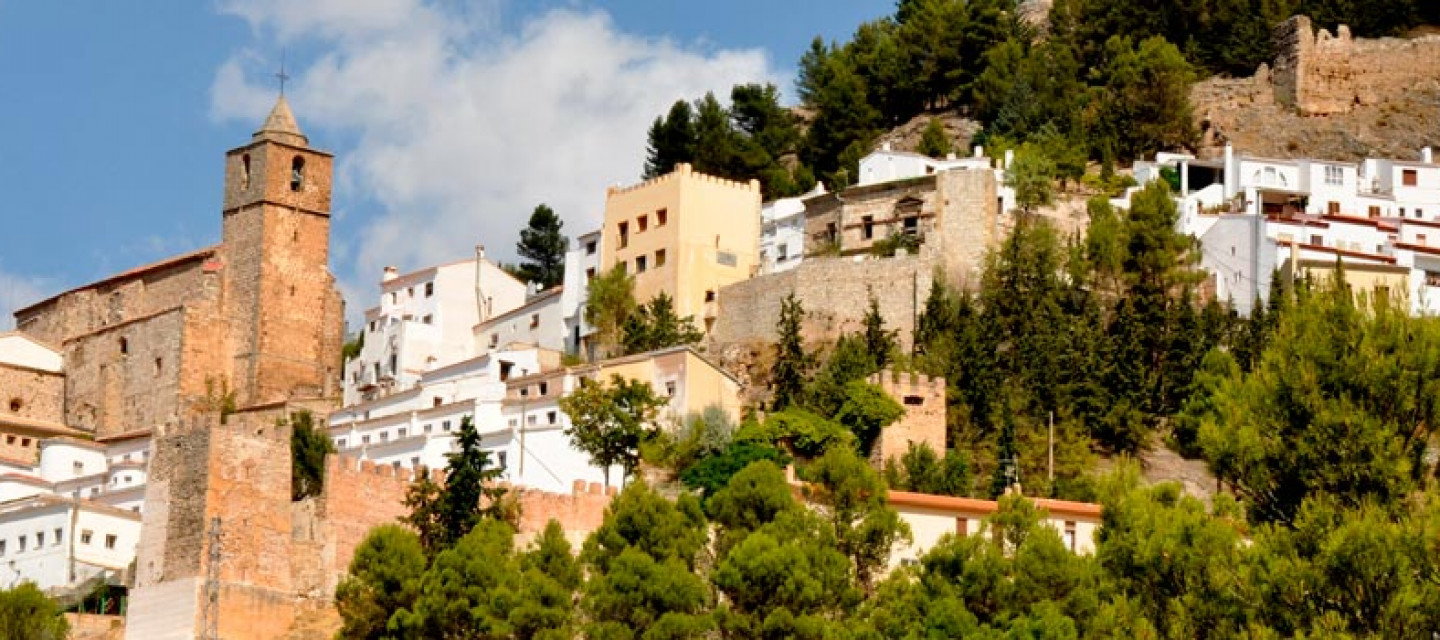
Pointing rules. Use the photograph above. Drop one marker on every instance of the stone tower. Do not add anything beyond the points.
(281, 305)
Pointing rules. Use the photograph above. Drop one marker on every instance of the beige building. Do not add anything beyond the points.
(686, 234)
(931, 517)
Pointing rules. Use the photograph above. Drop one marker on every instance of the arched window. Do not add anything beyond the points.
(297, 173)
(245, 171)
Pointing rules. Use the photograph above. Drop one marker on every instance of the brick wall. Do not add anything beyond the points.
(923, 398)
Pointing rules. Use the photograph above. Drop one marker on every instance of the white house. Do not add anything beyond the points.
(424, 321)
(1380, 217)
(782, 232)
(582, 264)
(887, 165)
(540, 322)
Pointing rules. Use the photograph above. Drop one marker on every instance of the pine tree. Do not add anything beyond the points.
(934, 142)
(672, 141)
(879, 342)
(792, 363)
(542, 248)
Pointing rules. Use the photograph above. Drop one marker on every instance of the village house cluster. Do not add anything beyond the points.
(107, 476)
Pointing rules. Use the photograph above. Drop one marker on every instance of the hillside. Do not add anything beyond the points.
(1327, 96)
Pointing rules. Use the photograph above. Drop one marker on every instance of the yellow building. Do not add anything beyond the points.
(686, 234)
(691, 382)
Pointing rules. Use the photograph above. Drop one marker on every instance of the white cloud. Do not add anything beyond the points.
(459, 130)
(17, 292)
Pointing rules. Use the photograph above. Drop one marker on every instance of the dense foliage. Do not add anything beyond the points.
(610, 421)
(470, 495)
(27, 614)
(654, 325)
(308, 447)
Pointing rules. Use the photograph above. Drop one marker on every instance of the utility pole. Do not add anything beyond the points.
(1052, 449)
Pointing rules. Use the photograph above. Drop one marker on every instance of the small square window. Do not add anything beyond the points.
(659, 258)
(364, 439)
(78, 466)
(642, 223)
(85, 536)
(530, 420)
(590, 274)
(1409, 177)
(640, 264)
(445, 426)
(401, 433)
(110, 541)
(428, 319)
(384, 436)
(661, 217)
(427, 428)
(590, 248)
(670, 388)
(339, 443)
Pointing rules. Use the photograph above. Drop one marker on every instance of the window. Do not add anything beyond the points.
(590, 274)
(85, 536)
(1432, 278)
(534, 320)
(551, 417)
(245, 171)
(624, 234)
(1374, 211)
(110, 541)
(914, 401)
(159, 367)
(1334, 176)
(640, 264)
(339, 443)
(429, 289)
(400, 433)
(24, 442)
(494, 340)
(544, 388)
(59, 535)
(912, 225)
(445, 426)
(410, 292)
(590, 248)
(428, 319)
(9, 439)
(1333, 208)
(1409, 177)
(659, 258)
(1419, 238)
(710, 295)
(22, 544)
(364, 439)
(16, 405)
(670, 388)
(1070, 536)
(725, 258)
(962, 526)
(39, 539)
(514, 422)
(1317, 240)
(78, 466)
(2, 547)
(661, 217)
(297, 173)
(782, 252)
(500, 458)
(832, 233)
(384, 436)
(124, 346)
(530, 420)
(642, 223)
(868, 230)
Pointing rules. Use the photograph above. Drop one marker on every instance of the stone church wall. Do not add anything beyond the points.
(31, 393)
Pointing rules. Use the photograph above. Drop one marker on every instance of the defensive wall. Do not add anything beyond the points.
(834, 292)
(1318, 73)
(219, 519)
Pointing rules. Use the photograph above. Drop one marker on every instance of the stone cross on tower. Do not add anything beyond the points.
(281, 74)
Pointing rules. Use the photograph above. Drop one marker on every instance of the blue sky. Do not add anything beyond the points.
(450, 120)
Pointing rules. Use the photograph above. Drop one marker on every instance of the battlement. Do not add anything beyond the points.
(1320, 73)
(684, 171)
(901, 384)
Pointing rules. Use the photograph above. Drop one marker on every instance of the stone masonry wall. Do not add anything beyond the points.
(835, 295)
(969, 224)
(29, 393)
(923, 398)
(1322, 74)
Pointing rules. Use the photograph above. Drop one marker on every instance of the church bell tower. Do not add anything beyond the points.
(283, 312)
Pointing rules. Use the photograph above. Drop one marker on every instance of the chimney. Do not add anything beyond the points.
(885, 146)
(979, 151)
(1009, 158)
(1427, 155)
(391, 273)
(1232, 176)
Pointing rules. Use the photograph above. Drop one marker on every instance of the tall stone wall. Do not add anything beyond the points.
(923, 398)
(969, 224)
(835, 295)
(1318, 73)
